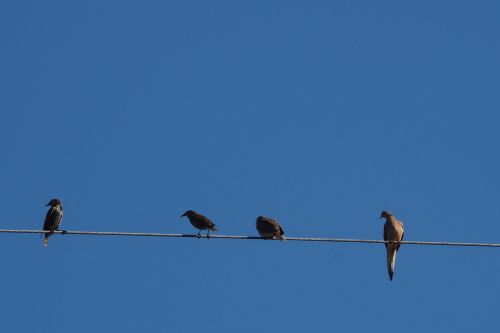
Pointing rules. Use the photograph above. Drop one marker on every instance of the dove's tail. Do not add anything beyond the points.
(46, 240)
(391, 261)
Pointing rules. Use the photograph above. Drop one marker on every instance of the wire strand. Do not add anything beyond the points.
(297, 239)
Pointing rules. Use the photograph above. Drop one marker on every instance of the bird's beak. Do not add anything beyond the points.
(381, 216)
(47, 204)
(183, 215)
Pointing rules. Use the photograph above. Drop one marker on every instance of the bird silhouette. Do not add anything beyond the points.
(200, 222)
(393, 231)
(52, 219)
(269, 228)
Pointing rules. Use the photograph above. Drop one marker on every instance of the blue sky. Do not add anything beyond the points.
(319, 114)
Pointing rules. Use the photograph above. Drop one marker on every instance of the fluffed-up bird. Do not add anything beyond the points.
(269, 228)
(393, 231)
(200, 222)
(52, 219)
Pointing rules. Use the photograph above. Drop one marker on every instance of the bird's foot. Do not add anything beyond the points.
(64, 232)
(198, 236)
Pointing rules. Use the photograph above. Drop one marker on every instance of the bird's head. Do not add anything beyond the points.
(54, 203)
(385, 214)
(189, 213)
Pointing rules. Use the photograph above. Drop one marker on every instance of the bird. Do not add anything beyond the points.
(200, 222)
(393, 231)
(269, 228)
(52, 219)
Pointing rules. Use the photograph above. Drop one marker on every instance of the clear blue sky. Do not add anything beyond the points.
(317, 113)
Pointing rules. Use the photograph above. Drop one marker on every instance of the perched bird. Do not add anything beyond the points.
(269, 228)
(393, 231)
(200, 222)
(52, 219)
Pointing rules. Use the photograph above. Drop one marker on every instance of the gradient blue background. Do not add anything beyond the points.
(317, 113)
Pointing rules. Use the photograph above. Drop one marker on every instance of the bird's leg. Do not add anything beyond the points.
(63, 232)
(208, 233)
(199, 234)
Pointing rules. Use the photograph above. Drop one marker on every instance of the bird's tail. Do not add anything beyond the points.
(391, 262)
(214, 228)
(282, 237)
(46, 240)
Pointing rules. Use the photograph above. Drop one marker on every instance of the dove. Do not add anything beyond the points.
(393, 231)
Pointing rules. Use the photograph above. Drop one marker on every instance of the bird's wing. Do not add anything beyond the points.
(386, 226)
(47, 224)
(272, 226)
(206, 221)
(268, 226)
(281, 231)
(402, 236)
(58, 219)
(402, 233)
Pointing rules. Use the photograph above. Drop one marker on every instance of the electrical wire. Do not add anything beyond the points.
(237, 237)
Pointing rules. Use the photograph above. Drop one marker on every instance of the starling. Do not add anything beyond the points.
(393, 231)
(269, 228)
(52, 219)
(200, 222)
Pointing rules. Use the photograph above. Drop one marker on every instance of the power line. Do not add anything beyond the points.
(296, 239)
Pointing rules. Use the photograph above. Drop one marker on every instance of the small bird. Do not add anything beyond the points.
(269, 228)
(393, 231)
(200, 222)
(52, 219)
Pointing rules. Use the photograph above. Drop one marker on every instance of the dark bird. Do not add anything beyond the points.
(393, 231)
(52, 219)
(269, 228)
(200, 222)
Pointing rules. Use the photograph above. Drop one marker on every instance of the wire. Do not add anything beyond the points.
(297, 239)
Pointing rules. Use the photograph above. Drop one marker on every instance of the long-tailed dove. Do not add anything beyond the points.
(393, 231)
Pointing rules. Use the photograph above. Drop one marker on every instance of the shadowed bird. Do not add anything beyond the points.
(52, 219)
(393, 231)
(200, 222)
(269, 228)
